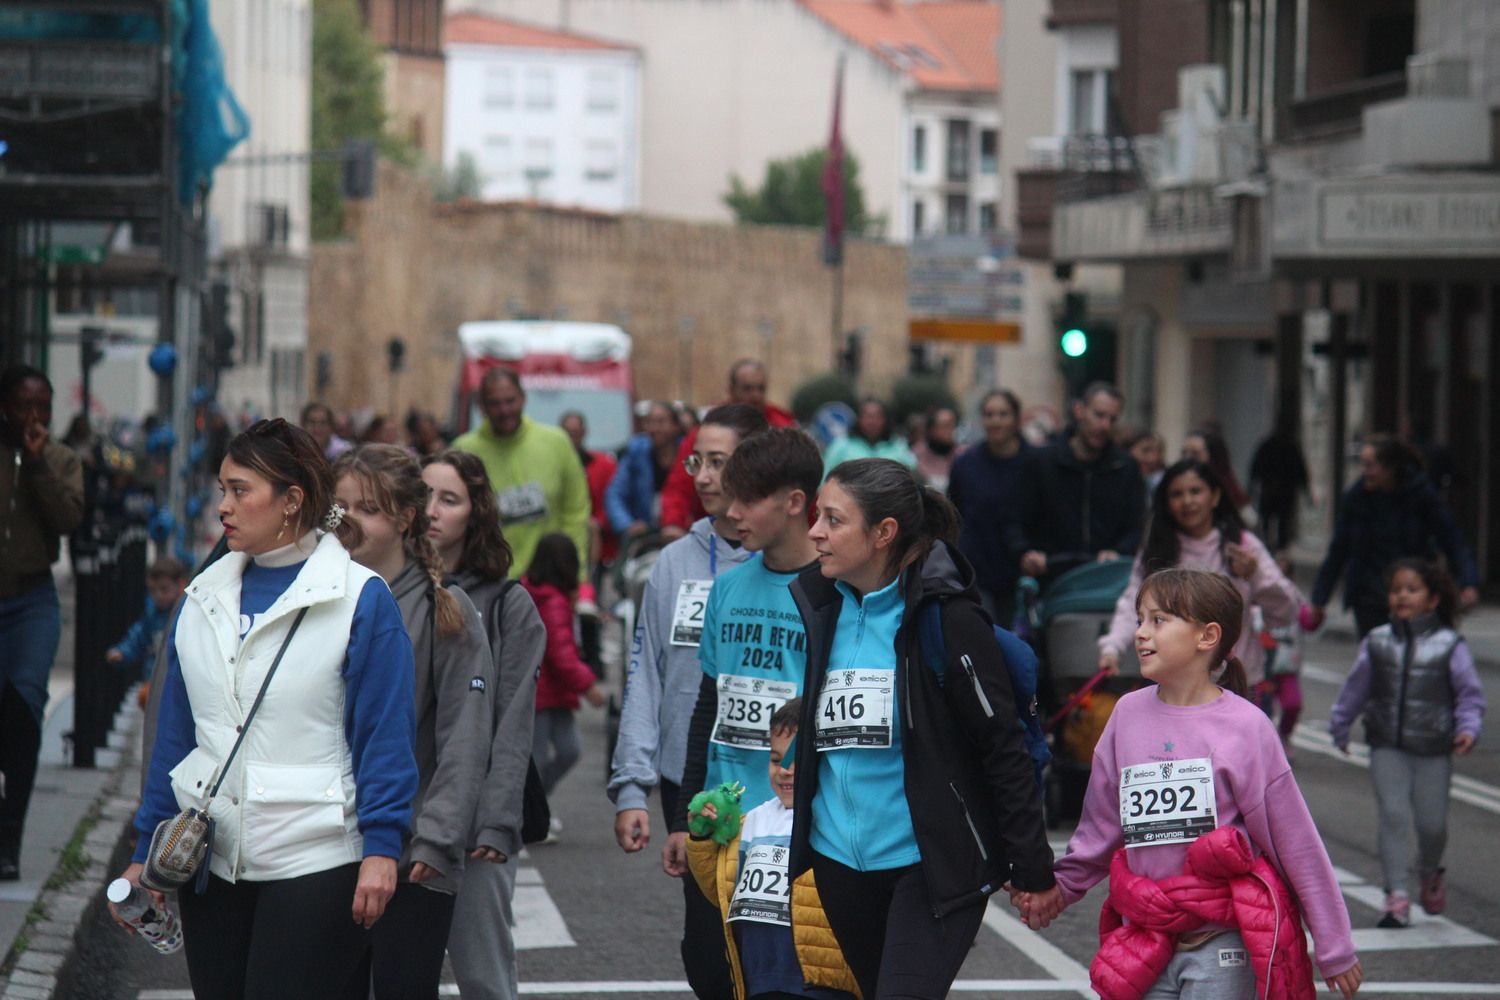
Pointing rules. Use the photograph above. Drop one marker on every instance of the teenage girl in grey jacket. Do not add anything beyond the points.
(464, 526)
(383, 490)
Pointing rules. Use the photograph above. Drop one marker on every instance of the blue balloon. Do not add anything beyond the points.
(195, 505)
(161, 440)
(196, 450)
(162, 359)
(201, 394)
(162, 525)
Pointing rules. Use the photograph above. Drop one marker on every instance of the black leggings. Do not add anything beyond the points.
(884, 924)
(289, 939)
(704, 958)
(407, 943)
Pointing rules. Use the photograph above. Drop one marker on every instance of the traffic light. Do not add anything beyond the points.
(1085, 344)
(216, 325)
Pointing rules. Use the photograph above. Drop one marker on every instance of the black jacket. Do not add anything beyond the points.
(969, 782)
(1068, 506)
(1374, 528)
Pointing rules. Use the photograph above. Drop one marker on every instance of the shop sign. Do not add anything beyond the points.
(1416, 220)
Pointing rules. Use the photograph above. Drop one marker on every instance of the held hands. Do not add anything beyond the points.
(376, 886)
(1348, 981)
(1037, 909)
(632, 829)
(1242, 562)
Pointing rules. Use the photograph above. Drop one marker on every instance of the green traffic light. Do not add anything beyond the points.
(1074, 343)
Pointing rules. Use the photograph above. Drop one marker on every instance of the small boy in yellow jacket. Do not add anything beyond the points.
(779, 941)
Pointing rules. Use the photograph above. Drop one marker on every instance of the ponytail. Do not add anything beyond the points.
(1234, 679)
(882, 488)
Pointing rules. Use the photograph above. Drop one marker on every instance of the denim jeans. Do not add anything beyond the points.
(30, 626)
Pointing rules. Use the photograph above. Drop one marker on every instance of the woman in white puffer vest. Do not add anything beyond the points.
(315, 805)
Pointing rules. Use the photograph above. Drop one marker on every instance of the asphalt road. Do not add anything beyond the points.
(595, 921)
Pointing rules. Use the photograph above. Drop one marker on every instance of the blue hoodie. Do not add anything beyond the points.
(865, 831)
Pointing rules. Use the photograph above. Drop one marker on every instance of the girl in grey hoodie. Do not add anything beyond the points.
(464, 527)
(383, 490)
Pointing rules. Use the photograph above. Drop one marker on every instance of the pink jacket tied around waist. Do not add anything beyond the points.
(1223, 885)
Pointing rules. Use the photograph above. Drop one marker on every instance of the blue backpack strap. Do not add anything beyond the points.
(930, 637)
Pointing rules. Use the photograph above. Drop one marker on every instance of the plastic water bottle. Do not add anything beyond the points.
(158, 925)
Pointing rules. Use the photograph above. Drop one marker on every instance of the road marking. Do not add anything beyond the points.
(539, 923)
(1315, 673)
(1425, 931)
(1313, 736)
(1067, 975)
(669, 987)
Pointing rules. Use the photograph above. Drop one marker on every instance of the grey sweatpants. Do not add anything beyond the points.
(481, 944)
(1410, 791)
(554, 745)
(1217, 970)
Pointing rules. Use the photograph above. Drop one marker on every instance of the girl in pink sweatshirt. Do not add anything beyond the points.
(1184, 757)
(1194, 525)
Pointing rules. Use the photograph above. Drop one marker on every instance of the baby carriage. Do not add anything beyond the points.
(1063, 620)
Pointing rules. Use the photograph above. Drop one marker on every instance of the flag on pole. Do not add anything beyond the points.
(833, 179)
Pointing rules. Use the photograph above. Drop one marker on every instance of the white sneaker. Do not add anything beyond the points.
(554, 831)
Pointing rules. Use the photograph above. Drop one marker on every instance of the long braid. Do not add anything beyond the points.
(450, 619)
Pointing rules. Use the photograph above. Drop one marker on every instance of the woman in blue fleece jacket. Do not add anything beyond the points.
(315, 804)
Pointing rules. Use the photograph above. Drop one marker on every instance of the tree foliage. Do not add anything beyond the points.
(920, 393)
(348, 102)
(791, 194)
(830, 387)
(462, 180)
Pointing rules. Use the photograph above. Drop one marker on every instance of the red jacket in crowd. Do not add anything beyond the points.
(679, 501)
(1224, 884)
(563, 675)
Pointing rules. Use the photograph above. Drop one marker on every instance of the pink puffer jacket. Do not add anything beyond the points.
(1224, 885)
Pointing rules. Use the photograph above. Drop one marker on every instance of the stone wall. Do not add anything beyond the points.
(694, 296)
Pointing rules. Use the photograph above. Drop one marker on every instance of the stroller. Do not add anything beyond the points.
(628, 576)
(1063, 622)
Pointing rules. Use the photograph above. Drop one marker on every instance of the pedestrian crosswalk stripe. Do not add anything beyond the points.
(1313, 735)
(539, 923)
(1052, 959)
(1425, 931)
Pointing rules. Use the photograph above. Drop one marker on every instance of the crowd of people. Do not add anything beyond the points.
(839, 795)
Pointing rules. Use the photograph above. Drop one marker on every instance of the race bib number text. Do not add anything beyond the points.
(687, 615)
(527, 502)
(746, 705)
(764, 891)
(854, 709)
(1167, 803)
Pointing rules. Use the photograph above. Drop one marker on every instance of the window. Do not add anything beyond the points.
(958, 149)
(600, 162)
(499, 87)
(918, 217)
(539, 88)
(499, 157)
(919, 149)
(1088, 104)
(602, 90)
(957, 221)
(988, 220)
(538, 160)
(989, 151)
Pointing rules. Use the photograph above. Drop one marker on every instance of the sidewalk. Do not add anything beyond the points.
(74, 821)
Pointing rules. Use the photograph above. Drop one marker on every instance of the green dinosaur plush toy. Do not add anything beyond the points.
(726, 802)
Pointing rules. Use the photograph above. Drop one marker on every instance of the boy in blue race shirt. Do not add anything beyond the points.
(778, 939)
(753, 651)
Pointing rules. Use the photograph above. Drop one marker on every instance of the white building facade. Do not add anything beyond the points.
(545, 115)
(259, 210)
(951, 175)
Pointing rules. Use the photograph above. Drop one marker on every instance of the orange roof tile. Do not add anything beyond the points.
(941, 45)
(480, 29)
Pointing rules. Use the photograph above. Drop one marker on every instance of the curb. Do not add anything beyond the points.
(41, 958)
